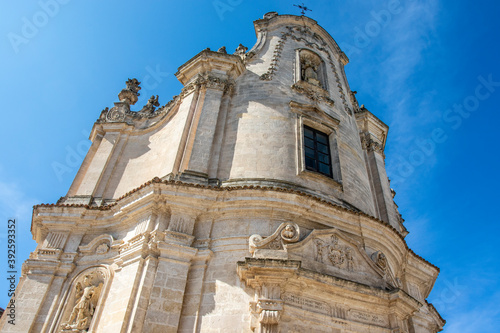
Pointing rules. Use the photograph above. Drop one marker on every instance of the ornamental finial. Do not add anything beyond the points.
(130, 94)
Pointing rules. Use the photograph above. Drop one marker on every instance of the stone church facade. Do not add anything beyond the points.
(256, 200)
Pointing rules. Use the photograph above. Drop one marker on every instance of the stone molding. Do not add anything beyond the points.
(314, 93)
(155, 186)
(100, 245)
(371, 145)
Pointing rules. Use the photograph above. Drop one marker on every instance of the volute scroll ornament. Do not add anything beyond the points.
(285, 234)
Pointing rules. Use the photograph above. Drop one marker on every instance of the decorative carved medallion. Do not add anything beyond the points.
(116, 114)
(101, 249)
(333, 253)
(380, 259)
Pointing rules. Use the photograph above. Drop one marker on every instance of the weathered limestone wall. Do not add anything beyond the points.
(262, 138)
(231, 233)
(147, 155)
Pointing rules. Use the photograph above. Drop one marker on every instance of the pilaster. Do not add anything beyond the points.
(373, 135)
(212, 75)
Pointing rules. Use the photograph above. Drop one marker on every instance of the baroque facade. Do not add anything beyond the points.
(256, 200)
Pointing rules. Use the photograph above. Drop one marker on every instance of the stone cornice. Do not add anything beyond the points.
(256, 271)
(83, 209)
(207, 61)
(372, 129)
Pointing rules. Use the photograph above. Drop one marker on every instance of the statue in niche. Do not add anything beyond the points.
(86, 296)
(309, 68)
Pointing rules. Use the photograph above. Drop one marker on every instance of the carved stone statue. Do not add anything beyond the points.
(152, 104)
(309, 67)
(86, 296)
(380, 259)
(222, 49)
(130, 94)
(241, 50)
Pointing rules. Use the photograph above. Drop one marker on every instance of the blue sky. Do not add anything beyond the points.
(429, 69)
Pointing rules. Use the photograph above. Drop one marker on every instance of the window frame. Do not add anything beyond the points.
(326, 123)
(316, 143)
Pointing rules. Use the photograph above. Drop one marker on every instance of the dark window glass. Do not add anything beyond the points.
(323, 158)
(308, 133)
(317, 151)
(309, 142)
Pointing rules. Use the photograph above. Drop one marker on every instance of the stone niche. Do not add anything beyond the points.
(83, 301)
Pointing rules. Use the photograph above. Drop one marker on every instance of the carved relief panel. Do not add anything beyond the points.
(334, 253)
(83, 304)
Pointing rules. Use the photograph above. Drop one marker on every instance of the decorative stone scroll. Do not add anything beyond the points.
(85, 296)
(102, 244)
(285, 234)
